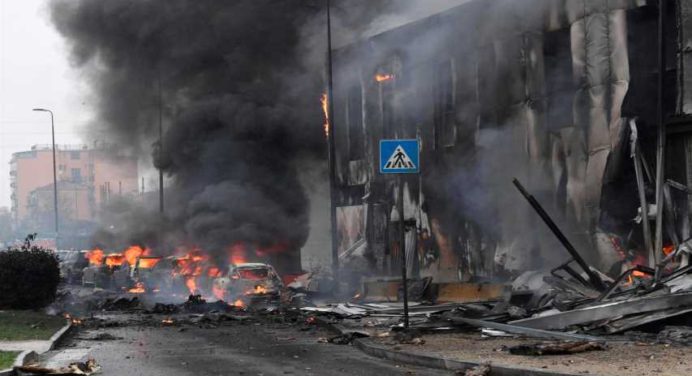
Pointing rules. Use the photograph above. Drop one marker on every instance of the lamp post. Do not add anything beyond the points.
(55, 176)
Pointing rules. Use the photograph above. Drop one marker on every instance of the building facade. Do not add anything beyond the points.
(87, 179)
(551, 92)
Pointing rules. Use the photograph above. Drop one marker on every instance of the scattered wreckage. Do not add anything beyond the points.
(574, 303)
(89, 367)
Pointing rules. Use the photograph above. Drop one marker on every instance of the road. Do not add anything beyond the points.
(239, 349)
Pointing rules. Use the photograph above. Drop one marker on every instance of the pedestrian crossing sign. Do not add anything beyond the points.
(399, 156)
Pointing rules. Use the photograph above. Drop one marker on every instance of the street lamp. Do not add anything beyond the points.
(55, 177)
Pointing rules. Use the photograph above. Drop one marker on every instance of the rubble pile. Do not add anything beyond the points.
(89, 367)
(573, 302)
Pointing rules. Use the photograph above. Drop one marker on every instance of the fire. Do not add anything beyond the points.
(667, 250)
(239, 304)
(237, 254)
(73, 320)
(638, 274)
(383, 77)
(132, 253)
(260, 290)
(148, 262)
(167, 321)
(95, 257)
(214, 272)
(138, 289)
(191, 284)
(325, 109)
(115, 259)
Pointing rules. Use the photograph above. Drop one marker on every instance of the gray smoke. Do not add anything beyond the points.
(240, 108)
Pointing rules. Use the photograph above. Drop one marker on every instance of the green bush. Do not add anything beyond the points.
(29, 277)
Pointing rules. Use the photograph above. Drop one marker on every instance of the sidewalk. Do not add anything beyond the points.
(463, 350)
(630, 358)
(32, 348)
(37, 346)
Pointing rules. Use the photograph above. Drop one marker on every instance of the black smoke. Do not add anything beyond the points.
(240, 108)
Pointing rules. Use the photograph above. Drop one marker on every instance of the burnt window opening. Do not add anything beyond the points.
(445, 109)
(387, 100)
(355, 123)
(559, 82)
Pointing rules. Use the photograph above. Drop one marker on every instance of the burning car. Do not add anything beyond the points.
(248, 282)
(71, 264)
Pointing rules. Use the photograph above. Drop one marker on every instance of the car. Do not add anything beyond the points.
(71, 264)
(248, 282)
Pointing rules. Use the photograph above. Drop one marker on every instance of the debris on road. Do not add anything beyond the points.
(89, 367)
(479, 370)
(558, 348)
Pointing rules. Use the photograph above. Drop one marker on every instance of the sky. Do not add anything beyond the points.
(35, 72)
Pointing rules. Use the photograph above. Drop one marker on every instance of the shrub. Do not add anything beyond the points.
(29, 277)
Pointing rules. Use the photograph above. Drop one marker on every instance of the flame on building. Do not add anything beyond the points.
(324, 100)
(383, 77)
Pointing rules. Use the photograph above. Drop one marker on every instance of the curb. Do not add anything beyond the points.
(371, 348)
(59, 335)
(29, 356)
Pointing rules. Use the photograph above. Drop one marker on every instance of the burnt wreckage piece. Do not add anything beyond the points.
(594, 279)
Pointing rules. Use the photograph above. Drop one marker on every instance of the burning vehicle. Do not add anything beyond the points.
(71, 264)
(247, 283)
(116, 270)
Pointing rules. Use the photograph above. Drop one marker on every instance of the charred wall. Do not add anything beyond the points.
(493, 91)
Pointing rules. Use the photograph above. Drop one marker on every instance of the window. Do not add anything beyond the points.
(387, 98)
(559, 85)
(445, 109)
(75, 155)
(76, 175)
(355, 123)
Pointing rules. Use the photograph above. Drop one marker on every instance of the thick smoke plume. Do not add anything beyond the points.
(239, 108)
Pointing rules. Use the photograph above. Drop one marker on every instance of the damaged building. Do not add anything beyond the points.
(560, 94)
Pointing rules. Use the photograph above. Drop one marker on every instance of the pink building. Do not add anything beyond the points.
(87, 178)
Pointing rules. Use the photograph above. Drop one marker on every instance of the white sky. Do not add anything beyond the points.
(35, 72)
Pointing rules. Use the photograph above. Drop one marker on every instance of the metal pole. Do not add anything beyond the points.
(55, 178)
(161, 208)
(594, 279)
(660, 149)
(55, 173)
(402, 248)
(331, 150)
(639, 174)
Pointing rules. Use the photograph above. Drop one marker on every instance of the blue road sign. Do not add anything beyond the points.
(399, 156)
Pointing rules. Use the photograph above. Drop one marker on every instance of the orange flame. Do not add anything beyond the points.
(214, 272)
(115, 259)
(133, 252)
(148, 262)
(138, 289)
(260, 290)
(237, 254)
(383, 77)
(191, 284)
(325, 109)
(239, 304)
(167, 321)
(95, 257)
(668, 249)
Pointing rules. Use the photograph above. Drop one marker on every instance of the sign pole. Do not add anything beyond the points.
(401, 157)
(402, 248)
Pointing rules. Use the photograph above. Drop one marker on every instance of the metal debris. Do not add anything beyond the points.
(559, 348)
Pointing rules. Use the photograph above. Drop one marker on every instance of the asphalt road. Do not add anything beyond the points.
(240, 349)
